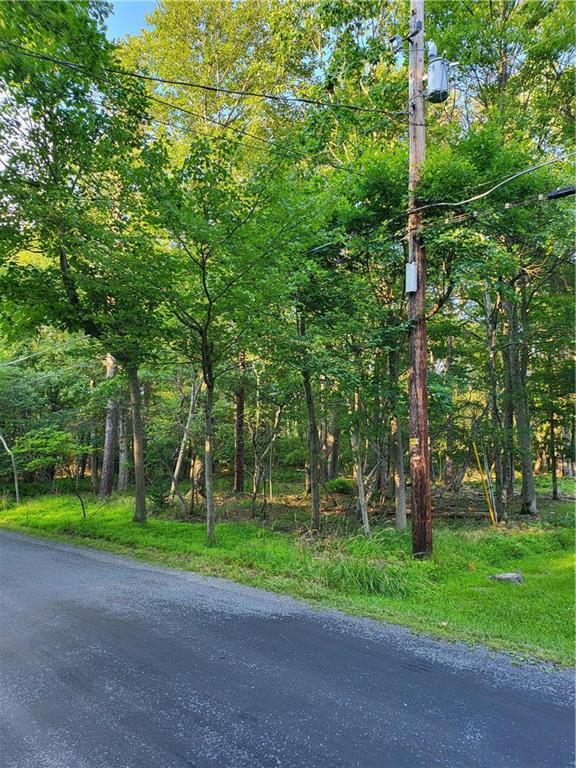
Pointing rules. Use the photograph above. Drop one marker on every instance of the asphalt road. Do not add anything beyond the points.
(108, 663)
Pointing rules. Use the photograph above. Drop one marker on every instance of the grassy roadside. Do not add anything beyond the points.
(448, 596)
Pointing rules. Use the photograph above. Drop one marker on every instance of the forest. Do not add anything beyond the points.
(204, 324)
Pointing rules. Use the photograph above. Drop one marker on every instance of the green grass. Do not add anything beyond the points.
(566, 485)
(450, 595)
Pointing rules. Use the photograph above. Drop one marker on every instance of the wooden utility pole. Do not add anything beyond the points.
(421, 505)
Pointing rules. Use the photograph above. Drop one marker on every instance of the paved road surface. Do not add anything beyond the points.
(108, 663)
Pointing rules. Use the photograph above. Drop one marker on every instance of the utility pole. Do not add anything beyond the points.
(421, 504)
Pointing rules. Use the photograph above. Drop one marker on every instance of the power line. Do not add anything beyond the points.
(270, 142)
(461, 218)
(213, 88)
(50, 374)
(283, 150)
(272, 97)
(492, 189)
(53, 348)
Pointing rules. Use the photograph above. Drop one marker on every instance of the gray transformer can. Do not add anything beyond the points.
(437, 79)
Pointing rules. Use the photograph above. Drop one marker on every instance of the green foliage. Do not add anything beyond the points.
(341, 485)
(49, 448)
(185, 234)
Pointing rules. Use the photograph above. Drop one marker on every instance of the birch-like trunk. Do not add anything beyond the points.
(138, 445)
(261, 455)
(110, 437)
(14, 468)
(239, 446)
(356, 443)
(93, 454)
(195, 387)
(123, 448)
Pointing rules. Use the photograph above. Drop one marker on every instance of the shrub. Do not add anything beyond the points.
(341, 485)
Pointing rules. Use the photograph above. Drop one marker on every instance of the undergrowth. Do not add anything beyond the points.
(450, 595)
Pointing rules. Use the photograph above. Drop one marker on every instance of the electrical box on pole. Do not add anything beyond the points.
(437, 80)
(411, 277)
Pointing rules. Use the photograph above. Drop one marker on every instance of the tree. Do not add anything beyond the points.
(76, 188)
(54, 450)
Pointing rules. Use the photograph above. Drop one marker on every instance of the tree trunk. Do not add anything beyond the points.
(208, 461)
(123, 449)
(93, 454)
(110, 436)
(313, 452)
(324, 450)
(14, 468)
(508, 431)
(491, 315)
(397, 446)
(93, 462)
(552, 435)
(355, 439)
(82, 466)
(266, 452)
(521, 409)
(138, 445)
(196, 477)
(334, 446)
(239, 447)
(572, 445)
(553, 465)
(194, 392)
(567, 451)
(448, 472)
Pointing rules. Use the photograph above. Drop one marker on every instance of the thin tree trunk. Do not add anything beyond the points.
(553, 466)
(572, 444)
(260, 457)
(334, 444)
(94, 454)
(312, 477)
(110, 436)
(313, 452)
(397, 446)
(82, 466)
(239, 444)
(508, 431)
(93, 462)
(567, 450)
(123, 448)
(196, 469)
(448, 472)
(521, 409)
(194, 392)
(355, 439)
(14, 468)
(138, 445)
(270, 467)
(208, 461)
(491, 315)
(323, 452)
